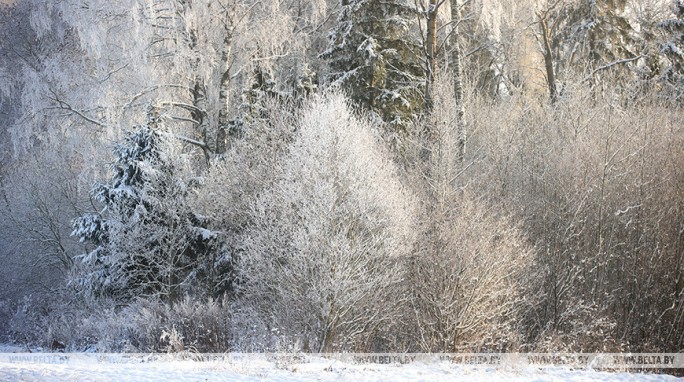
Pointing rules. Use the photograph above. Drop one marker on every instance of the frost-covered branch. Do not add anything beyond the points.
(610, 65)
(61, 104)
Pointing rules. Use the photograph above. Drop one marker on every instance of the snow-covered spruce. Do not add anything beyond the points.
(146, 239)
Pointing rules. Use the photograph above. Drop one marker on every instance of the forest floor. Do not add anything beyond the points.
(18, 366)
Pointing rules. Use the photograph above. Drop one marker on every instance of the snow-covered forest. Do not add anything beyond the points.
(342, 175)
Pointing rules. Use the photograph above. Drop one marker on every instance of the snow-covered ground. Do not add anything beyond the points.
(92, 367)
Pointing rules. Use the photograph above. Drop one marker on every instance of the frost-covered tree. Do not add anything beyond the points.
(180, 53)
(375, 54)
(39, 195)
(147, 241)
(34, 44)
(325, 252)
(192, 57)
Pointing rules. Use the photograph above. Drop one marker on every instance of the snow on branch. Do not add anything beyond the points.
(610, 65)
(61, 104)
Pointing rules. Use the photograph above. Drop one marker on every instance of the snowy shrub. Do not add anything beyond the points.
(38, 321)
(329, 238)
(138, 327)
(585, 328)
(597, 187)
(145, 325)
(189, 325)
(5, 315)
(23, 321)
(466, 280)
(465, 275)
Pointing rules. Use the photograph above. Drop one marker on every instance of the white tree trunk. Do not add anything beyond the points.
(456, 62)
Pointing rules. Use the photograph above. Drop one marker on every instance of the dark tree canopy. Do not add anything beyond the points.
(374, 54)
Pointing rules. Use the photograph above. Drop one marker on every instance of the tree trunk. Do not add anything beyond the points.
(456, 62)
(431, 53)
(224, 90)
(199, 114)
(548, 59)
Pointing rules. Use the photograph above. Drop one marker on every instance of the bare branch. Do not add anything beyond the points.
(106, 77)
(610, 65)
(61, 104)
(151, 89)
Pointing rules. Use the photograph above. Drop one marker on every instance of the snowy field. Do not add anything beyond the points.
(93, 367)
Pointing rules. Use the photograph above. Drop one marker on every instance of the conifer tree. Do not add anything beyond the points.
(586, 38)
(147, 240)
(374, 55)
(673, 50)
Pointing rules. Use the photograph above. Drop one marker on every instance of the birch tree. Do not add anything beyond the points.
(431, 47)
(457, 68)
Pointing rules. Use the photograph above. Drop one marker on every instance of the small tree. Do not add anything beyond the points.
(467, 279)
(147, 240)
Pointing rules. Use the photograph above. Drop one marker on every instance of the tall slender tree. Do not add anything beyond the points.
(431, 50)
(431, 47)
(457, 68)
